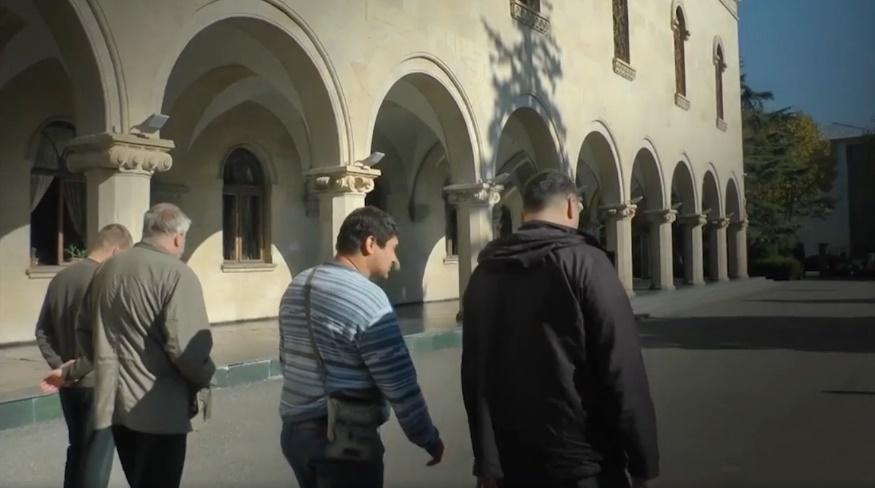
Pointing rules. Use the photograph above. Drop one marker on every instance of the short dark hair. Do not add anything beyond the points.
(363, 223)
(112, 235)
(546, 187)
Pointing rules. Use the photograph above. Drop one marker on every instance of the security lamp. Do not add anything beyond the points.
(150, 127)
(372, 160)
(677, 205)
(635, 200)
(501, 179)
(155, 122)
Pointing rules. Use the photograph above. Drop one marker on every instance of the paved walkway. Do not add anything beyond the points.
(775, 389)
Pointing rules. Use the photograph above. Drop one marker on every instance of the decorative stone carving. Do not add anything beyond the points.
(125, 153)
(529, 17)
(623, 211)
(694, 220)
(740, 225)
(623, 69)
(661, 216)
(477, 194)
(720, 223)
(355, 178)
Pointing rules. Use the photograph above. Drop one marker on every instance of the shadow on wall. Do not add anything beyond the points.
(807, 334)
(530, 65)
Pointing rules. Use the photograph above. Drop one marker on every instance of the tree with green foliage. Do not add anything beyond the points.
(789, 172)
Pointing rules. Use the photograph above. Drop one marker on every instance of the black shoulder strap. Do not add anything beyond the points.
(307, 307)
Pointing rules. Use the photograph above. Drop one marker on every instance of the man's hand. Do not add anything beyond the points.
(55, 379)
(487, 483)
(639, 483)
(437, 454)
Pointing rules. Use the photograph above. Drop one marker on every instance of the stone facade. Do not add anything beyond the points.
(465, 99)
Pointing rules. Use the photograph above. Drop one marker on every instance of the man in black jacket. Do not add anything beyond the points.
(552, 374)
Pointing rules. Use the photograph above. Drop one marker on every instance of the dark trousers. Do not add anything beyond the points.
(87, 461)
(605, 480)
(150, 460)
(303, 445)
(76, 404)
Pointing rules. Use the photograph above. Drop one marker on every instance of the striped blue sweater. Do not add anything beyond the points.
(358, 335)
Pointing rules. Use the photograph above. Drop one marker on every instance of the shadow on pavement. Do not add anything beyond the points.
(808, 334)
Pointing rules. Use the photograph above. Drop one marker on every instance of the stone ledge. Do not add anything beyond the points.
(681, 101)
(254, 267)
(29, 410)
(624, 69)
(721, 124)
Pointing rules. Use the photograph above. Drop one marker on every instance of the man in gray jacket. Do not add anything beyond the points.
(150, 350)
(55, 336)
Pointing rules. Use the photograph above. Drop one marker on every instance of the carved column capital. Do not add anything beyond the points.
(694, 220)
(125, 153)
(661, 216)
(740, 225)
(623, 211)
(720, 223)
(474, 195)
(355, 178)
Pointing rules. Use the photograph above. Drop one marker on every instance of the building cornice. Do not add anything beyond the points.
(732, 6)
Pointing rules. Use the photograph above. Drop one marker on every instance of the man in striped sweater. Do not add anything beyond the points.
(357, 334)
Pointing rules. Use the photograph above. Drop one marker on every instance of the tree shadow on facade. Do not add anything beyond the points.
(805, 334)
(528, 67)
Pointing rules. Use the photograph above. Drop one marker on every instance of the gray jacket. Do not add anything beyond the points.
(151, 341)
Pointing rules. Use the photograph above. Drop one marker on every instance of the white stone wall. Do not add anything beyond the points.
(305, 82)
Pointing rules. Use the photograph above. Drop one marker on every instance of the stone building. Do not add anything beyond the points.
(272, 105)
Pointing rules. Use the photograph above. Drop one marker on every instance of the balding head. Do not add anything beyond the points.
(165, 226)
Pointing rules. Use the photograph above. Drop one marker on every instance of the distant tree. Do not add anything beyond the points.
(789, 172)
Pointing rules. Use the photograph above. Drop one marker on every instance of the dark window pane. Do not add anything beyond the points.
(44, 227)
(250, 227)
(243, 168)
(229, 228)
(74, 218)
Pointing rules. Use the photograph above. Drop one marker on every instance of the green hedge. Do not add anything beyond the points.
(777, 268)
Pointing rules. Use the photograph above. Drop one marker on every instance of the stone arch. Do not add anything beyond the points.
(711, 195)
(299, 47)
(718, 46)
(81, 47)
(683, 186)
(268, 166)
(451, 106)
(734, 204)
(537, 118)
(676, 6)
(599, 152)
(647, 171)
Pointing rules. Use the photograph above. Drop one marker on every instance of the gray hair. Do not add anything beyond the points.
(165, 219)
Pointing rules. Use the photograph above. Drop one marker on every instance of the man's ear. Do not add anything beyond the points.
(368, 245)
(570, 208)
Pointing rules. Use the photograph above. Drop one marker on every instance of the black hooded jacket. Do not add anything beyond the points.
(552, 374)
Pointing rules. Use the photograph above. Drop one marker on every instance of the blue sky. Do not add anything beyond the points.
(815, 55)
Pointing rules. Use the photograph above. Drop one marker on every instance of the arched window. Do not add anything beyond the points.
(243, 208)
(719, 68)
(57, 200)
(621, 30)
(681, 34)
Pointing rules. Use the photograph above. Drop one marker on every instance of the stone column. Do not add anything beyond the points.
(618, 226)
(717, 248)
(661, 266)
(341, 189)
(694, 270)
(474, 203)
(118, 171)
(738, 250)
